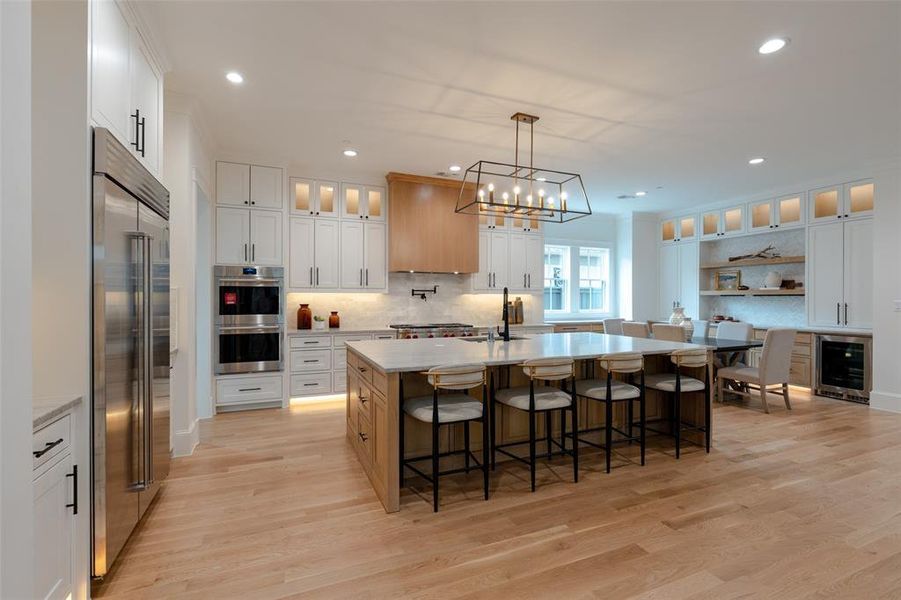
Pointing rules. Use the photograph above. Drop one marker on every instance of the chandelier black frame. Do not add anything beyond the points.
(476, 199)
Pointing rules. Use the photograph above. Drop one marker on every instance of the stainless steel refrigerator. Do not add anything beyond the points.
(130, 403)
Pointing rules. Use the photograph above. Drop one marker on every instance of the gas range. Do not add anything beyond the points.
(407, 331)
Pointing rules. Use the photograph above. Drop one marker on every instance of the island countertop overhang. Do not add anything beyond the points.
(398, 356)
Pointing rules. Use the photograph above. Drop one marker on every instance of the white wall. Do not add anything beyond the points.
(16, 514)
(186, 165)
(886, 392)
(636, 265)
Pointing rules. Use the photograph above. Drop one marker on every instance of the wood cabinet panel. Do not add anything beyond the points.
(425, 232)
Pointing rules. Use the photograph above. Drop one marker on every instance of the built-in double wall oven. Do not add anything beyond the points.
(249, 319)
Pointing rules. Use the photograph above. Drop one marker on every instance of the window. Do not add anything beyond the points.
(576, 280)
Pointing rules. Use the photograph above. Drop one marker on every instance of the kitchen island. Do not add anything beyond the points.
(375, 369)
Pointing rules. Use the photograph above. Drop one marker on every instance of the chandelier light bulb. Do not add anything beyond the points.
(529, 199)
(490, 187)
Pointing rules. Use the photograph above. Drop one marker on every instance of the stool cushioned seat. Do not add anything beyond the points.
(597, 388)
(666, 382)
(546, 397)
(451, 408)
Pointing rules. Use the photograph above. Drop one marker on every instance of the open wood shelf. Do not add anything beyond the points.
(755, 262)
(757, 292)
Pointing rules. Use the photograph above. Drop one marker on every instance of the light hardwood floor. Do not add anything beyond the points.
(788, 505)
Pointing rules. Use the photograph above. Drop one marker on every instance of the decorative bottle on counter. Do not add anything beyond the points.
(517, 311)
(304, 317)
(334, 321)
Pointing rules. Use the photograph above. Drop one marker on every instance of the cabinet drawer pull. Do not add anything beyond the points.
(363, 436)
(47, 448)
(362, 369)
(314, 342)
(74, 476)
(311, 360)
(255, 389)
(310, 385)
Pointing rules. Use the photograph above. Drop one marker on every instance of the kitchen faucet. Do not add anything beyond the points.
(506, 332)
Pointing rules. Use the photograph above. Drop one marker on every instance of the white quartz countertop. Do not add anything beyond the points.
(340, 330)
(48, 408)
(392, 356)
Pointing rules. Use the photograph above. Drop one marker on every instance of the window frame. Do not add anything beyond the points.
(572, 310)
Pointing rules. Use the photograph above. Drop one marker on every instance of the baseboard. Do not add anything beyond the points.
(887, 401)
(186, 441)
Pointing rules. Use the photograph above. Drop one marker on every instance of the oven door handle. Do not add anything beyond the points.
(249, 282)
(250, 329)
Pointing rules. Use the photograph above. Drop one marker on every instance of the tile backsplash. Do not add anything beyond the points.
(454, 301)
(757, 310)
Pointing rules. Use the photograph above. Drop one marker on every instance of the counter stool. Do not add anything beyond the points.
(677, 383)
(610, 391)
(442, 409)
(540, 398)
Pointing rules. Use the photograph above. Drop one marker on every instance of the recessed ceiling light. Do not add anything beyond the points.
(234, 77)
(756, 161)
(541, 179)
(454, 168)
(350, 152)
(773, 45)
(640, 194)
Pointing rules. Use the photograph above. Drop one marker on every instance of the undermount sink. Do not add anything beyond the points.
(484, 338)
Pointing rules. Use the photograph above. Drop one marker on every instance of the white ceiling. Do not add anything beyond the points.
(633, 95)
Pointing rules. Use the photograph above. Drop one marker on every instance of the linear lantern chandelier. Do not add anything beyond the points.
(492, 189)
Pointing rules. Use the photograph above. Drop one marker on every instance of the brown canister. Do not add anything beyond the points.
(304, 317)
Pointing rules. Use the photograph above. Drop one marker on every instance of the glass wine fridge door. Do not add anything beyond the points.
(248, 349)
(843, 367)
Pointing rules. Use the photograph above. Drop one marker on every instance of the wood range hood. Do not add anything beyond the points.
(425, 234)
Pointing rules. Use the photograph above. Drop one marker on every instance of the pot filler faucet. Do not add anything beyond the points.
(505, 334)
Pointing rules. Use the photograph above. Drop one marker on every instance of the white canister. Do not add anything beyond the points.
(773, 280)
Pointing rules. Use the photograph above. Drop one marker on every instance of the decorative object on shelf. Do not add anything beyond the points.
(518, 316)
(422, 293)
(501, 189)
(790, 284)
(678, 314)
(319, 323)
(727, 280)
(334, 321)
(743, 288)
(304, 317)
(772, 281)
(768, 252)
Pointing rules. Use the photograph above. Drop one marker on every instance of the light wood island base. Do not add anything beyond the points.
(373, 404)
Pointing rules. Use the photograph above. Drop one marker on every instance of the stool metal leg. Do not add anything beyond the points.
(400, 394)
(493, 425)
(485, 441)
(677, 413)
(642, 415)
(435, 451)
(466, 445)
(575, 409)
(563, 428)
(707, 407)
(548, 426)
(532, 433)
(608, 425)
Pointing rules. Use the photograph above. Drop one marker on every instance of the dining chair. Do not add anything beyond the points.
(540, 396)
(732, 330)
(669, 333)
(775, 361)
(455, 405)
(636, 329)
(613, 326)
(701, 327)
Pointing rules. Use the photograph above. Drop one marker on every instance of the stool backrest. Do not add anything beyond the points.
(613, 326)
(622, 362)
(728, 330)
(637, 330)
(775, 359)
(670, 333)
(689, 358)
(549, 369)
(457, 378)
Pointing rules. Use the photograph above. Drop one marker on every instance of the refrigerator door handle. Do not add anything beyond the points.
(139, 451)
(148, 372)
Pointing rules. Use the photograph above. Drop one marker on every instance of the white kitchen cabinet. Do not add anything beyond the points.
(232, 236)
(313, 260)
(366, 202)
(375, 255)
(265, 238)
(55, 504)
(232, 184)
(493, 221)
(126, 83)
(678, 278)
(352, 253)
(525, 224)
(110, 69)
(494, 264)
(265, 187)
(147, 102)
(314, 198)
(678, 229)
(779, 213)
(526, 264)
(840, 274)
(245, 236)
(848, 201)
(723, 222)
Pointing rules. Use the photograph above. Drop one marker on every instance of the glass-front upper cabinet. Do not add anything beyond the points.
(826, 204)
(789, 211)
(521, 222)
(679, 229)
(733, 220)
(723, 222)
(363, 202)
(668, 230)
(710, 224)
(490, 220)
(760, 215)
(313, 198)
(859, 199)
